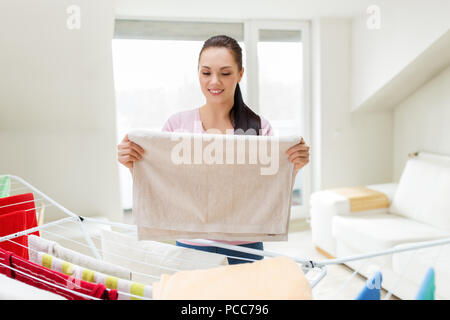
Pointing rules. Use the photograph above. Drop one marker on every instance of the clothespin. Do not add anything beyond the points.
(371, 290)
(427, 288)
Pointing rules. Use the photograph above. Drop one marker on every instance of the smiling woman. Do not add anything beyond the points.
(219, 71)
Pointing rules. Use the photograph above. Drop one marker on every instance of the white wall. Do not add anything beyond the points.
(57, 123)
(422, 122)
(356, 148)
(407, 28)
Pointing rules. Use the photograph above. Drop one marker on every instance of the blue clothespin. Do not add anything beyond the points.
(371, 290)
(427, 288)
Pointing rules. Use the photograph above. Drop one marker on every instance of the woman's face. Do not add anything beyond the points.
(218, 75)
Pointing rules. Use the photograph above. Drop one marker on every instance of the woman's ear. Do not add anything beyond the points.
(241, 73)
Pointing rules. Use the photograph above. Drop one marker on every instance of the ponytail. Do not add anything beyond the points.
(244, 118)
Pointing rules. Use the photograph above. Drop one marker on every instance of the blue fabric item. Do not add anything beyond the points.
(255, 245)
(427, 288)
(371, 290)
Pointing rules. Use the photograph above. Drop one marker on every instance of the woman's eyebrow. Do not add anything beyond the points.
(220, 68)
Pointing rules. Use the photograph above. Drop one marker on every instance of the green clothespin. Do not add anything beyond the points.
(5, 186)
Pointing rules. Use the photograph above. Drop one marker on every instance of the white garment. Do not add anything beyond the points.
(11, 289)
(188, 185)
(39, 244)
(154, 258)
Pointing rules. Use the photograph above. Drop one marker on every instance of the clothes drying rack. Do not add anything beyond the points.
(314, 270)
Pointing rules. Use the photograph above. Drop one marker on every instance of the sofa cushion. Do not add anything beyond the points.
(388, 189)
(363, 199)
(376, 232)
(413, 265)
(423, 194)
(328, 200)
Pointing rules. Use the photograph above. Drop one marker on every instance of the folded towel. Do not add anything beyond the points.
(192, 183)
(37, 244)
(154, 258)
(277, 278)
(362, 198)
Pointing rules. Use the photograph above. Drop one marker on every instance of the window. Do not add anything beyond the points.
(155, 75)
(281, 86)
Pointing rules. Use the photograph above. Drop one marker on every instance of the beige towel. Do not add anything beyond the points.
(159, 234)
(180, 192)
(362, 198)
(277, 278)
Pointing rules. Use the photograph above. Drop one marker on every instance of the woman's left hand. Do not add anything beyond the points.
(299, 155)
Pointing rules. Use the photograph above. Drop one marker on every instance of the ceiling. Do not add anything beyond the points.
(245, 8)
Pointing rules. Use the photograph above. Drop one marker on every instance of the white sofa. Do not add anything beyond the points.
(419, 211)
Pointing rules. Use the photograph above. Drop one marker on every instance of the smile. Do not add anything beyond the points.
(215, 92)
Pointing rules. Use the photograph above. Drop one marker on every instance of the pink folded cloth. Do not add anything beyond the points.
(277, 278)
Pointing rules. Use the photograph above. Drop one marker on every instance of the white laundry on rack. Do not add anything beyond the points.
(154, 258)
(39, 244)
(212, 185)
(11, 289)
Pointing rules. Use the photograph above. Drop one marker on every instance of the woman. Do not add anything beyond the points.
(220, 71)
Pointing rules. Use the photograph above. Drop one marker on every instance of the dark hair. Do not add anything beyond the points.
(241, 115)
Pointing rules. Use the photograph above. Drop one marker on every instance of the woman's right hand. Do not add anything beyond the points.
(128, 152)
